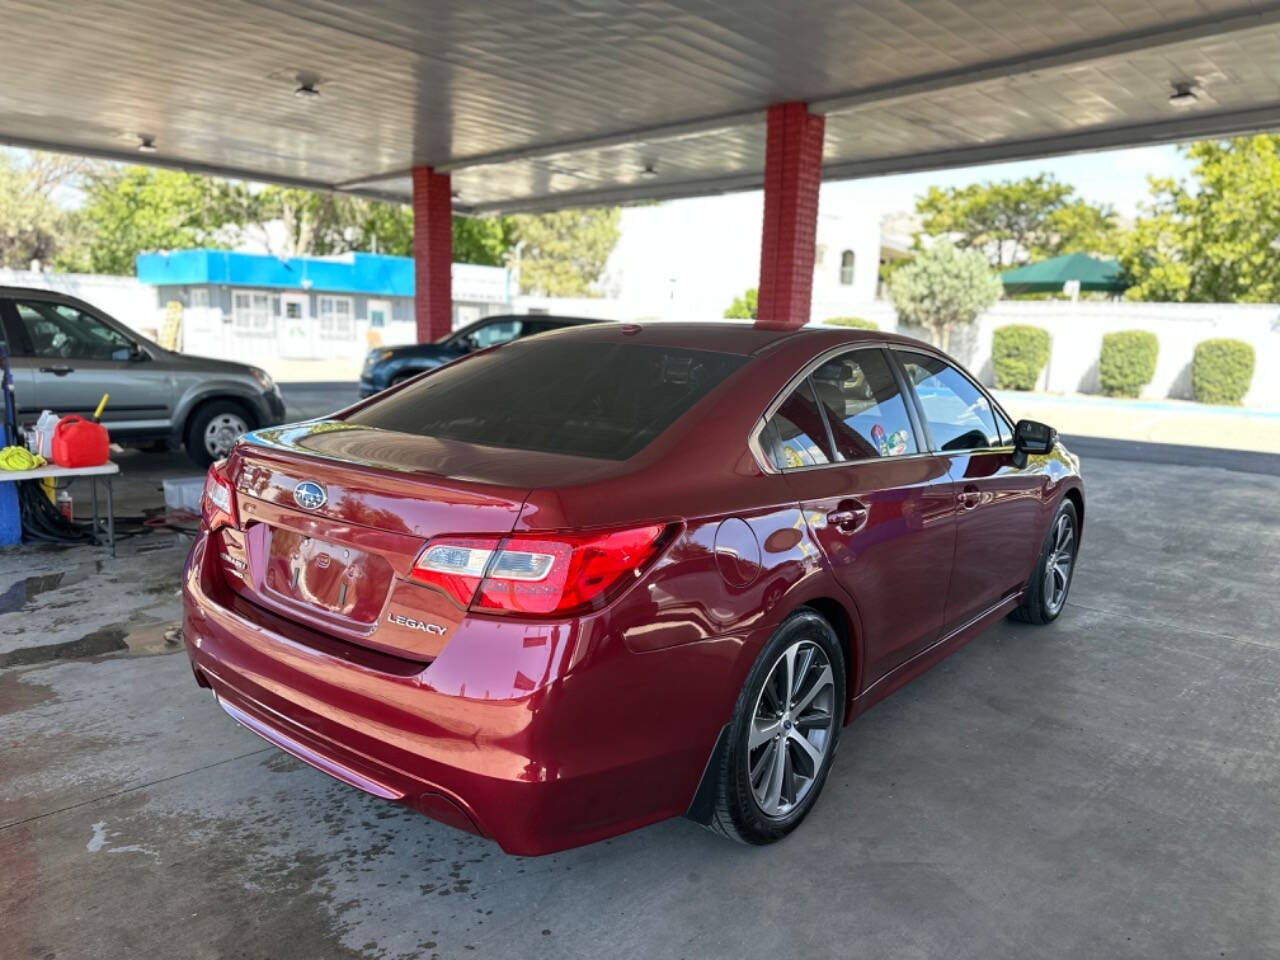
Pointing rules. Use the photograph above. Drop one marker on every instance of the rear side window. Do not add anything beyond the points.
(795, 435)
(601, 400)
(957, 413)
(864, 406)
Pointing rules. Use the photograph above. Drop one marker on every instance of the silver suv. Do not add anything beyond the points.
(65, 354)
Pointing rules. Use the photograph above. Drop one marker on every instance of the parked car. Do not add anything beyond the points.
(386, 366)
(619, 573)
(65, 354)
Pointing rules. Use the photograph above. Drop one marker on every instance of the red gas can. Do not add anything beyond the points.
(79, 443)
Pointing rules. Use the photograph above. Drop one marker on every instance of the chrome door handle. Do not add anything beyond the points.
(848, 516)
(969, 496)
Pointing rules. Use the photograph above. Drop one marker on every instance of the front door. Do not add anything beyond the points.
(881, 509)
(297, 338)
(999, 503)
(76, 357)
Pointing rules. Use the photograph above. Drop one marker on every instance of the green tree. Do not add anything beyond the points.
(130, 210)
(744, 307)
(32, 225)
(1010, 220)
(484, 240)
(562, 254)
(942, 288)
(1216, 239)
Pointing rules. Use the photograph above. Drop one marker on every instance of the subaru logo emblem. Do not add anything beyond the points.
(309, 495)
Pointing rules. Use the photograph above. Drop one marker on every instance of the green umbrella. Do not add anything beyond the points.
(1048, 276)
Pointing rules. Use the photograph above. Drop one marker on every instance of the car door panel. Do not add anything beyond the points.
(881, 512)
(999, 512)
(72, 367)
(997, 502)
(21, 368)
(894, 560)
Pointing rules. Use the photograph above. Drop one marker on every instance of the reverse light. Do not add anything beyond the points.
(538, 574)
(217, 504)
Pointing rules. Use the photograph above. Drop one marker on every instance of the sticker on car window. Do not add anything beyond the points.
(898, 443)
(878, 435)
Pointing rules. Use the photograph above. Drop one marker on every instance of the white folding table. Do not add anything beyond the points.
(106, 471)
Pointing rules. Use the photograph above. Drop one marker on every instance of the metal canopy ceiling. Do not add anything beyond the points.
(536, 105)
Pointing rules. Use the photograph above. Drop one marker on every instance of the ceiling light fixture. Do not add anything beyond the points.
(147, 144)
(1184, 95)
(650, 171)
(306, 90)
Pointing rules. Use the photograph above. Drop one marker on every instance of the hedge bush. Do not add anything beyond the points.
(857, 323)
(1128, 362)
(1018, 354)
(1221, 371)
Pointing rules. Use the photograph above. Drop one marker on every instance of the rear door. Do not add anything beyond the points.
(20, 367)
(76, 357)
(998, 519)
(880, 507)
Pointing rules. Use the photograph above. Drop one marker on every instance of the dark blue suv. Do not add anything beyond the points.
(386, 366)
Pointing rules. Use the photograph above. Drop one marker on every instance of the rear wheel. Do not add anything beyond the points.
(1046, 594)
(214, 429)
(783, 733)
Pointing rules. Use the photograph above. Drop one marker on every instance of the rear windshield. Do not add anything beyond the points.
(602, 400)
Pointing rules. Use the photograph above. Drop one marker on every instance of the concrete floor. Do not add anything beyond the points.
(1108, 786)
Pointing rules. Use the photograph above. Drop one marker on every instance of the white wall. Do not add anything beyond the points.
(1076, 329)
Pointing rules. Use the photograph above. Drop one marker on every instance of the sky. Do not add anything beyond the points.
(691, 257)
(1116, 177)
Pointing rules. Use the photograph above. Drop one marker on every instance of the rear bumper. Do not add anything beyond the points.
(536, 766)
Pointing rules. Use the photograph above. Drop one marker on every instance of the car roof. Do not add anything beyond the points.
(35, 291)
(739, 337)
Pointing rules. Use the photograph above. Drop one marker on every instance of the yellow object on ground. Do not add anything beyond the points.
(20, 458)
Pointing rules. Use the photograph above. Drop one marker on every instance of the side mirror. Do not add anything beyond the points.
(1032, 436)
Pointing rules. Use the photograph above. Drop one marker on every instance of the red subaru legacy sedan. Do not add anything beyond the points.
(576, 584)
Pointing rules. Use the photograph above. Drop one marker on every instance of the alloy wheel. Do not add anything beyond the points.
(792, 729)
(222, 433)
(1057, 567)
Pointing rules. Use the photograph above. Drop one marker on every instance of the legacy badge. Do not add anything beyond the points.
(432, 628)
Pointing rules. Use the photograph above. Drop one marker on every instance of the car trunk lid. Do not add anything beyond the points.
(332, 519)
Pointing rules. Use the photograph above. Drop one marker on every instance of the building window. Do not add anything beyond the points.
(254, 314)
(199, 297)
(846, 268)
(336, 315)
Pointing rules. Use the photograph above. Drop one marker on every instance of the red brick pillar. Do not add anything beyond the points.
(432, 254)
(792, 176)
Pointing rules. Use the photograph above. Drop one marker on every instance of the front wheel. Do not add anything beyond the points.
(214, 430)
(783, 734)
(1046, 594)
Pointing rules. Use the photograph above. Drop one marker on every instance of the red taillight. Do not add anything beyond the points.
(538, 575)
(218, 502)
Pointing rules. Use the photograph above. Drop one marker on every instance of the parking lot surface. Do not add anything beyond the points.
(1106, 786)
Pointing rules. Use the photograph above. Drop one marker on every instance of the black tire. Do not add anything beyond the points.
(738, 814)
(199, 424)
(1037, 605)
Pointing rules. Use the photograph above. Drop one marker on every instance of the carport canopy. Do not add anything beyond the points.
(498, 106)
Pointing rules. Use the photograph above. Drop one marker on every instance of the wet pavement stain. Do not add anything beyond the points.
(17, 695)
(96, 643)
